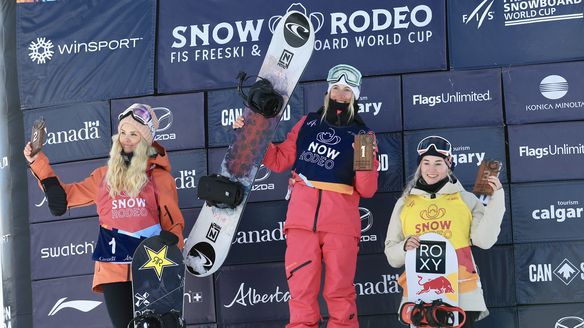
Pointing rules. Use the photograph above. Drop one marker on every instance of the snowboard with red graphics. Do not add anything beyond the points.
(290, 49)
(432, 271)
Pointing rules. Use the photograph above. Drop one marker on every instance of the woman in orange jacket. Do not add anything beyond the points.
(135, 186)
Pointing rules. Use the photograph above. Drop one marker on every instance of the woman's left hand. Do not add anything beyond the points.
(495, 183)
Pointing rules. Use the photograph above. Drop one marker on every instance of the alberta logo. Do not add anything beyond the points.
(40, 50)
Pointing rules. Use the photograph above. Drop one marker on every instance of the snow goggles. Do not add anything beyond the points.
(139, 112)
(351, 74)
(441, 145)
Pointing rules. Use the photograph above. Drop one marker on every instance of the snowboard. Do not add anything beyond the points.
(290, 49)
(432, 271)
(158, 282)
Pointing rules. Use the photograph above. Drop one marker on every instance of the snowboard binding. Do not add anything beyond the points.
(220, 191)
(262, 98)
(153, 320)
(431, 315)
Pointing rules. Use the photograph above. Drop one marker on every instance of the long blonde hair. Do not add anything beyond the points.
(326, 108)
(124, 179)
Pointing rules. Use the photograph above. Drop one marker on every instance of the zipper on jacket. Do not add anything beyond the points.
(169, 216)
(298, 268)
(317, 210)
(432, 196)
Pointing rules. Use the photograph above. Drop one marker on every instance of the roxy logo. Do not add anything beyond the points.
(89, 131)
(480, 13)
(79, 305)
(553, 87)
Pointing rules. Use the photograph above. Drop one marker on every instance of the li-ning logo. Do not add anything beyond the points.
(566, 271)
(570, 322)
(480, 13)
(40, 51)
(83, 306)
(553, 87)
(367, 217)
(432, 213)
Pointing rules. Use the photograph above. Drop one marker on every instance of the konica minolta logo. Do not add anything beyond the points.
(43, 49)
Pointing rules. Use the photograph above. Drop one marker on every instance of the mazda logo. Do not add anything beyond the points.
(164, 118)
(367, 217)
(262, 174)
(570, 322)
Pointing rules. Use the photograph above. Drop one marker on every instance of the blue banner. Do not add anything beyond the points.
(500, 318)
(486, 33)
(38, 208)
(553, 315)
(542, 152)
(376, 285)
(199, 300)
(56, 252)
(549, 272)
(379, 102)
(187, 168)
(544, 93)
(452, 99)
(67, 302)
(78, 51)
(391, 170)
(74, 132)
(551, 211)
(181, 119)
(470, 146)
(225, 106)
(204, 44)
(495, 267)
(374, 214)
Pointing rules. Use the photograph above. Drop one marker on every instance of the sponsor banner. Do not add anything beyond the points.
(376, 285)
(67, 302)
(252, 293)
(65, 57)
(452, 99)
(260, 235)
(268, 185)
(181, 119)
(225, 106)
(519, 32)
(375, 213)
(38, 208)
(542, 152)
(557, 315)
(379, 102)
(391, 170)
(203, 45)
(470, 146)
(387, 321)
(73, 132)
(506, 234)
(544, 93)
(495, 267)
(500, 318)
(549, 272)
(190, 215)
(56, 252)
(187, 168)
(199, 300)
(551, 211)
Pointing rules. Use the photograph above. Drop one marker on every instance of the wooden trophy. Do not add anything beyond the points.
(37, 137)
(363, 159)
(486, 170)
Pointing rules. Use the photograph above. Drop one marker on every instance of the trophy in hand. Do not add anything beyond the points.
(363, 158)
(37, 137)
(486, 170)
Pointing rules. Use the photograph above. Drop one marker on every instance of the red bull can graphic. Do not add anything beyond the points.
(439, 285)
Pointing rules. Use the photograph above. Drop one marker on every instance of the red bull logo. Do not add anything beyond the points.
(439, 285)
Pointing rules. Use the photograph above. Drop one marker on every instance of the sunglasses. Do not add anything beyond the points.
(139, 113)
(441, 145)
(351, 74)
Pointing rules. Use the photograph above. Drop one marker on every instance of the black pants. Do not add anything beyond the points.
(471, 317)
(118, 300)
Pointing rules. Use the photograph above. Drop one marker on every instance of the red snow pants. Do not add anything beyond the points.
(306, 253)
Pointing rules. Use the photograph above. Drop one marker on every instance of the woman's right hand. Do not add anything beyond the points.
(412, 242)
(238, 123)
(27, 151)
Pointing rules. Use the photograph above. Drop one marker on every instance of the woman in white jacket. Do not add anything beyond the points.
(463, 219)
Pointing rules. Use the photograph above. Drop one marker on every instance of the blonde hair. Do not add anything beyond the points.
(351, 109)
(124, 179)
(412, 182)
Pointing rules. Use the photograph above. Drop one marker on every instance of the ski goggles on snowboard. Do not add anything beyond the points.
(351, 74)
(441, 145)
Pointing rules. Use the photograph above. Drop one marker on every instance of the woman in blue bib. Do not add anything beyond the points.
(322, 223)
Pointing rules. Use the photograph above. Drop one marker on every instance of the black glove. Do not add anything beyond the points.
(168, 238)
(56, 196)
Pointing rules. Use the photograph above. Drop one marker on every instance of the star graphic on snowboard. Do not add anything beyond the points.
(157, 261)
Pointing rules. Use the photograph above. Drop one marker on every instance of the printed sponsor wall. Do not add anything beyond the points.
(532, 275)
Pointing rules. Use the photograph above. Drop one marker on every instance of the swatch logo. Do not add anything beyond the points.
(83, 306)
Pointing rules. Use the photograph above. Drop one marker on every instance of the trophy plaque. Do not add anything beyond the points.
(486, 170)
(37, 137)
(363, 159)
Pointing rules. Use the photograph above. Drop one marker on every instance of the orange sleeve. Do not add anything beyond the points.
(171, 218)
(79, 194)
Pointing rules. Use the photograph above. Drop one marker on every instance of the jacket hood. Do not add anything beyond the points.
(448, 188)
(161, 159)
